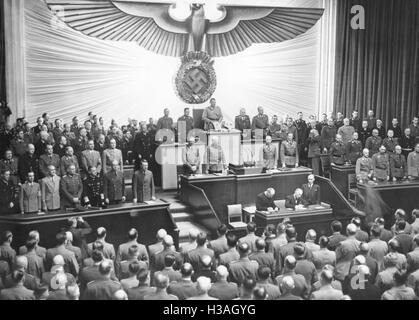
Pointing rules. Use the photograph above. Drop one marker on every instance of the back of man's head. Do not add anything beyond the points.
(231, 240)
(222, 272)
(134, 267)
(161, 281)
(260, 244)
(6, 236)
(326, 277)
(311, 235)
(73, 291)
(134, 251)
(323, 242)
(101, 233)
(31, 244)
(400, 225)
(186, 270)
(299, 250)
(356, 221)
(287, 284)
(251, 227)
(201, 239)
(161, 234)
(375, 231)
(97, 256)
(364, 248)
(18, 276)
(105, 268)
(120, 295)
(290, 262)
(132, 234)
(168, 241)
(169, 260)
(21, 262)
(222, 229)
(243, 249)
(400, 277)
(336, 226)
(98, 245)
(58, 260)
(61, 238)
(249, 284)
(390, 260)
(394, 245)
(193, 234)
(264, 273)
(291, 233)
(206, 262)
(351, 229)
(260, 293)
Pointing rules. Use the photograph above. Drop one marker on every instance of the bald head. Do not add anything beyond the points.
(203, 284)
(58, 260)
(21, 262)
(222, 272)
(168, 241)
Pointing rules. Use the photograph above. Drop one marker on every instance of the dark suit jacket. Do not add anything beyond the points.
(263, 202)
(311, 195)
(291, 202)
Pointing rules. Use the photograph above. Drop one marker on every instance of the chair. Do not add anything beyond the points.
(235, 217)
(326, 165)
(352, 188)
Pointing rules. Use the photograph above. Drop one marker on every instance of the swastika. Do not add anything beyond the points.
(196, 80)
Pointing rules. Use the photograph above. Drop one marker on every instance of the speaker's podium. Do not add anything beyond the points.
(230, 142)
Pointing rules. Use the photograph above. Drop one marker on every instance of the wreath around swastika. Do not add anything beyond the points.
(196, 63)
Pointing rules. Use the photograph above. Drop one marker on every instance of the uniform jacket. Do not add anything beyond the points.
(413, 164)
(7, 195)
(291, 202)
(398, 165)
(327, 293)
(109, 156)
(219, 246)
(345, 253)
(27, 164)
(143, 185)
(242, 269)
(30, 198)
(91, 158)
(183, 289)
(353, 151)
(270, 156)
(71, 187)
(373, 144)
(70, 261)
(381, 165)
(45, 161)
(242, 123)
(289, 153)
(346, 132)
(328, 135)
(114, 185)
(103, 289)
(93, 190)
(223, 290)
(390, 144)
(18, 292)
(338, 153)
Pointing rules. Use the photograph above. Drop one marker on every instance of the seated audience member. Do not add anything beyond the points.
(244, 267)
(194, 256)
(346, 252)
(143, 289)
(48, 159)
(143, 184)
(221, 289)
(104, 288)
(311, 191)
(184, 288)
(191, 158)
(338, 151)
(71, 188)
(251, 237)
(262, 257)
(114, 185)
(265, 200)
(326, 291)
(296, 200)
(289, 152)
(287, 287)
(50, 191)
(265, 281)
(413, 163)
(93, 189)
(323, 256)
(220, 245)
(172, 274)
(17, 291)
(161, 282)
(231, 255)
(363, 288)
(203, 285)
(337, 237)
(399, 290)
(398, 164)
(70, 262)
(108, 248)
(30, 196)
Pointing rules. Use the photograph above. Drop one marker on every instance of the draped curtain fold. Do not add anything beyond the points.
(378, 68)
(2, 57)
(68, 73)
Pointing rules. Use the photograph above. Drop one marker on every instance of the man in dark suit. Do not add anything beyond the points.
(123, 250)
(194, 256)
(242, 121)
(17, 291)
(296, 200)
(114, 185)
(71, 264)
(265, 200)
(27, 163)
(311, 191)
(104, 288)
(168, 248)
(108, 248)
(220, 245)
(7, 194)
(185, 288)
(48, 159)
(143, 184)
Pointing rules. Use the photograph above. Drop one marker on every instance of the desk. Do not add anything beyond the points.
(318, 217)
(391, 195)
(118, 220)
(339, 176)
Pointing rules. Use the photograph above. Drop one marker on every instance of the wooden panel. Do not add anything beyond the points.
(339, 176)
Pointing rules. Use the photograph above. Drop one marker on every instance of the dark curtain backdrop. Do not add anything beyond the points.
(378, 67)
(2, 57)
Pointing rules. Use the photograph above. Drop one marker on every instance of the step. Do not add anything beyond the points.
(178, 207)
(184, 228)
(182, 217)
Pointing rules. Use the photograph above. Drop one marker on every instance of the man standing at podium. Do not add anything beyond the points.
(311, 191)
(214, 157)
(270, 155)
(260, 122)
(212, 114)
(289, 152)
(191, 158)
(381, 165)
(242, 121)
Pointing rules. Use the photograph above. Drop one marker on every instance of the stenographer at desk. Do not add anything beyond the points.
(265, 201)
(296, 201)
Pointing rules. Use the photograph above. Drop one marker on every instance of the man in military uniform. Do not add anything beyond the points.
(90, 158)
(260, 122)
(338, 151)
(355, 121)
(143, 145)
(327, 136)
(289, 152)
(71, 188)
(30, 196)
(81, 142)
(390, 142)
(214, 157)
(363, 168)
(104, 288)
(374, 142)
(143, 184)
(165, 122)
(269, 155)
(114, 185)
(110, 156)
(28, 163)
(407, 142)
(353, 149)
(346, 131)
(242, 121)
(244, 267)
(10, 163)
(364, 133)
(413, 163)
(7, 193)
(212, 114)
(398, 164)
(48, 159)
(275, 128)
(68, 160)
(93, 189)
(191, 158)
(381, 165)
(371, 119)
(185, 124)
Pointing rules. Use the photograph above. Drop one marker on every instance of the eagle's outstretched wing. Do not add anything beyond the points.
(244, 26)
(147, 24)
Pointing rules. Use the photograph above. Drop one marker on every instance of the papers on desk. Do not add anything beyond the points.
(318, 208)
(150, 202)
(41, 213)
